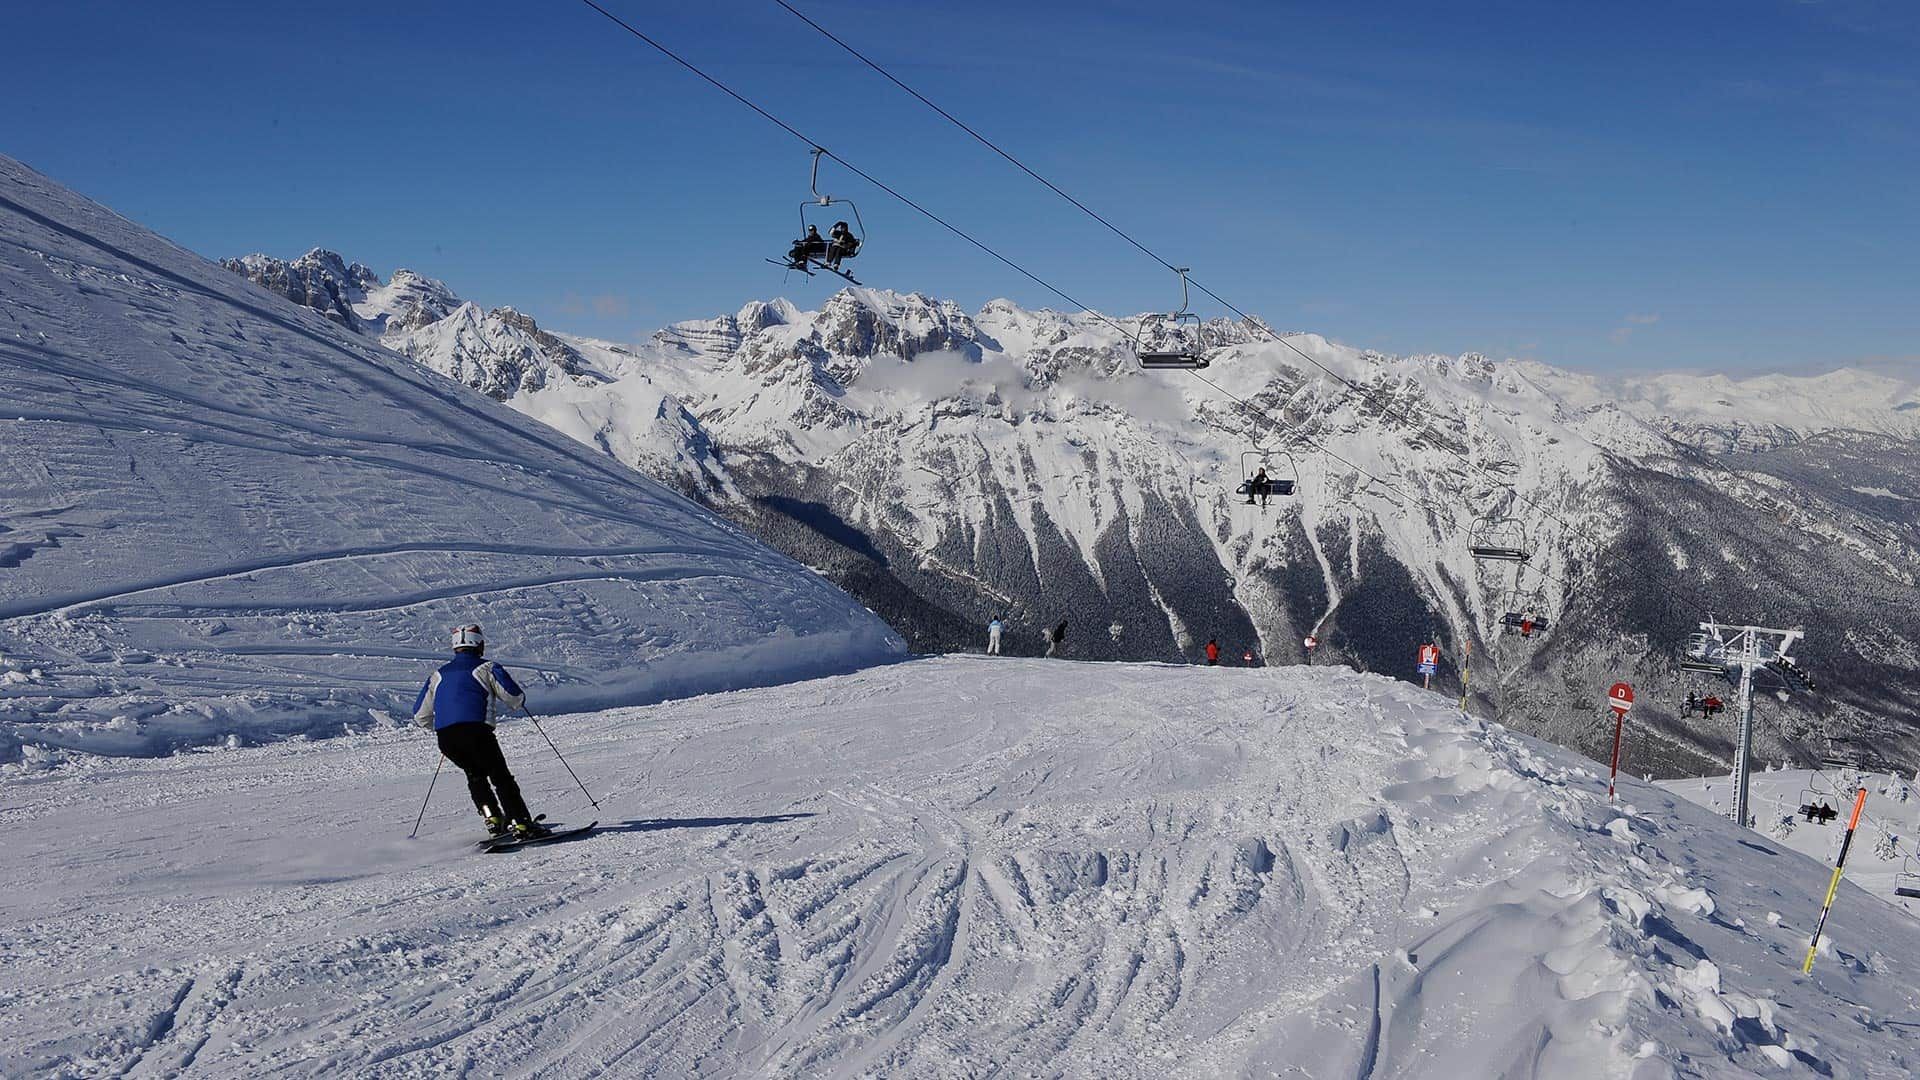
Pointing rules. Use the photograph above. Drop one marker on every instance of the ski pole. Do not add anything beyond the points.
(556, 753)
(437, 762)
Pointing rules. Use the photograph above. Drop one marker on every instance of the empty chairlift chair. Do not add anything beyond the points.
(1907, 882)
(1175, 340)
(1499, 539)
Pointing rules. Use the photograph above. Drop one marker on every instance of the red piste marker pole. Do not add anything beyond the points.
(1833, 886)
(1619, 699)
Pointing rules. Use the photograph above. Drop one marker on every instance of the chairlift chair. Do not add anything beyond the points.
(1816, 806)
(1498, 539)
(1281, 485)
(1529, 610)
(1906, 883)
(1161, 343)
(826, 260)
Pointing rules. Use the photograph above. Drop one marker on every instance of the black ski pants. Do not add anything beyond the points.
(474, 749)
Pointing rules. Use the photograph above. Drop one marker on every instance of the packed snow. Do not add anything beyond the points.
(951, 867)
(226, 517)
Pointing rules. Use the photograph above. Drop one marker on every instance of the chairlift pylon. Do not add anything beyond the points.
(1169, 333)
(812, 251)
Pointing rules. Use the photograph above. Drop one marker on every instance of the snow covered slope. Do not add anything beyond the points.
(225, 514)
(1059, 869)
(1884, 847)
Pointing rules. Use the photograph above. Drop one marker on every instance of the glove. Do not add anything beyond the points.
(425, 723)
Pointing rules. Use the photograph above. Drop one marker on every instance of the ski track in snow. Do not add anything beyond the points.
(948, 868)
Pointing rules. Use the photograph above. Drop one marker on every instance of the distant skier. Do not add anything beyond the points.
(1247, 658)
(1056, 638)
(841, 244)
(1213, 653)
(1259, 486)
(457, 706)
(1693, 702)
(993, 637)
(810, 246)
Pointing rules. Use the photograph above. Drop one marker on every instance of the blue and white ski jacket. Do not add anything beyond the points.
(463, 692)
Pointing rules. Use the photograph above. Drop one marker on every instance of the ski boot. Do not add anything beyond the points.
(529, 830)
(496, 825)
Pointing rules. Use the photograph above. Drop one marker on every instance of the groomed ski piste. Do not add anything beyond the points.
(945, 868)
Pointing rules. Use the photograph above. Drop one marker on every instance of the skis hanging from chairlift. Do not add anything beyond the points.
(1169, 334)
(813, 252)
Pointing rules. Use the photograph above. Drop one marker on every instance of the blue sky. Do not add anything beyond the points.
(1616, 186)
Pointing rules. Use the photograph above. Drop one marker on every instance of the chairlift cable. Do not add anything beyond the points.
(851, 167)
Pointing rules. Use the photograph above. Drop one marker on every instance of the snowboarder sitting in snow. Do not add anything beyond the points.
(841, 244)
(810, 246)
(457, 706)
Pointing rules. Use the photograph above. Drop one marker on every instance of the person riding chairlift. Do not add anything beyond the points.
(809, 247)
(1260, 486)
(841, 244)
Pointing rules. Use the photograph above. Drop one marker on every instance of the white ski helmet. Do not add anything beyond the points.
(469, 637)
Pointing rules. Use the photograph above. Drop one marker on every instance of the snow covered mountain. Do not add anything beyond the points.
(225, 515)
(1075, 870)
(945, 466)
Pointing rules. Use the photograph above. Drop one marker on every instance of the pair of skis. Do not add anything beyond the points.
(494, 845)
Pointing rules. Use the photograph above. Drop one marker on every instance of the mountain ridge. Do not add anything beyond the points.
(946, 466)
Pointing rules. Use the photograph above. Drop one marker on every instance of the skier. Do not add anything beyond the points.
(1260, 486)
(1213, 653)
(1710, 706)
(993, 637)
(1056, 637)
(1693, 702)
(1247, 658)
(841, 244)
(810, 246)
(457, 706)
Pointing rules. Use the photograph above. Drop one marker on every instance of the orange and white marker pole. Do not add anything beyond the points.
(1833, 886)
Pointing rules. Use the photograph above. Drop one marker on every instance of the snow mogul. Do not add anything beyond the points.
(457, 706)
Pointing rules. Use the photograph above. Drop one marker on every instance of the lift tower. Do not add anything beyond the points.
(1746, 649)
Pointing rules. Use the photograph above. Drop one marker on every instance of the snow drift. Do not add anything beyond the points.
(1065, 869)
(225, 515)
